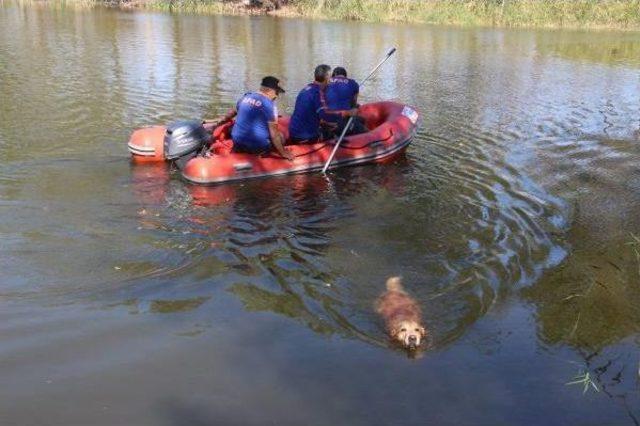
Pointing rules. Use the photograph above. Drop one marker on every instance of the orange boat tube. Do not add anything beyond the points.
(392, 127)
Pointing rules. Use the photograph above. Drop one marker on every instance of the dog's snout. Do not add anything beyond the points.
(412, 339)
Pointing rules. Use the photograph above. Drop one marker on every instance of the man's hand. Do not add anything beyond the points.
(222, 119)
(288, 155)
(214, 122)
(352, 112)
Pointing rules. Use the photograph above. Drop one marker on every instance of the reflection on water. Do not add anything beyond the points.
(171, 306)
(608, 48)
(279, 230)
(592, 300)
(289, 304)
(510, 220)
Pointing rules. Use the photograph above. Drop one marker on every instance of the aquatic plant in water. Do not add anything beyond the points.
(583, 378)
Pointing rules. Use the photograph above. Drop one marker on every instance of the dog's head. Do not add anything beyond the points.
(409, 334)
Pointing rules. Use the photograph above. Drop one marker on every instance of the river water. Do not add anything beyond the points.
(130, 297)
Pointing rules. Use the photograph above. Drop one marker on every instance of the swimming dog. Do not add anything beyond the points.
(401, 314)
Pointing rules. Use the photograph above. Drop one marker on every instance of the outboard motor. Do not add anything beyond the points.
(183, 140)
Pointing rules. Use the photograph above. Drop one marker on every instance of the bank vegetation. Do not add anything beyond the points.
(613, 14)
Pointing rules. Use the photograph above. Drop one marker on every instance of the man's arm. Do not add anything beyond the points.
(338, 112)
(276, 139)
(223, 118)
(323, 108)
(343, 112)
(356, 92)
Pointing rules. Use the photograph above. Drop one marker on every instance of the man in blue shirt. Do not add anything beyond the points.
(256, 126)
(342, 94)
(305, 124)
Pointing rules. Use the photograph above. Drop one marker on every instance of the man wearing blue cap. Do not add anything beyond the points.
(256, 126)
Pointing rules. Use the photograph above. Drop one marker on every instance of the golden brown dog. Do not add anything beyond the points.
(402, 315)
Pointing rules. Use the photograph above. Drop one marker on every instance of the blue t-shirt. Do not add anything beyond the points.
(251, 129)
(339, 95)
(305, 121)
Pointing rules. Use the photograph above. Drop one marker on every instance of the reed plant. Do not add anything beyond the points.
(614, 14)
(624, 14)
(192, 6)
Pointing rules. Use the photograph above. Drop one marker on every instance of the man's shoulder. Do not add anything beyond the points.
(309, 91)
(310, 87)
(265, 99)
(255, 100)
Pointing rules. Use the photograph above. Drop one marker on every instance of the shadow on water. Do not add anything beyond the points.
(591, 301)
(271, 236)
(607, 49)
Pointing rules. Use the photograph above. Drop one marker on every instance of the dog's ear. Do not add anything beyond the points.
(393, 332)
(423, 331)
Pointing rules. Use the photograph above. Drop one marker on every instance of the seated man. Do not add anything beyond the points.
(305, 124)
(256, 126)
(342, 94)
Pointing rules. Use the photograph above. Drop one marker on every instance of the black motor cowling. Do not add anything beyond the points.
(184, 138)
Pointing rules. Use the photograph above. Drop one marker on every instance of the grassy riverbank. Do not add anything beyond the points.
(613, 14)
(510, 13)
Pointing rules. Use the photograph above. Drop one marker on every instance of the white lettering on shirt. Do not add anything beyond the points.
(252, 102)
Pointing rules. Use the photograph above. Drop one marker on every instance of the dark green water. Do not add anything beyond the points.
(130, 297)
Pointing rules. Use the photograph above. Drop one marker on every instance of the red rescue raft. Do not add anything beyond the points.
(392, 125)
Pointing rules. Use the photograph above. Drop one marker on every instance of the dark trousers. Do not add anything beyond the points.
(357, 126)
(301, 141)
(246, 150)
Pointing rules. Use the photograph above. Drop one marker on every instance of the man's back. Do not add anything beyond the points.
(251, 129)
(305, 120)
(341, 92)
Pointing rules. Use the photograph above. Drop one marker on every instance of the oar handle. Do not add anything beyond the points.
(391, 52)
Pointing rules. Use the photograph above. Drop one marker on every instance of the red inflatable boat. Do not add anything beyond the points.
(392, 127)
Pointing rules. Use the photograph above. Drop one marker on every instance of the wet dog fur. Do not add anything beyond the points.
(402, 315)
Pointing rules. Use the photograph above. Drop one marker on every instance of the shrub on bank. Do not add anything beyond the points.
(518, 13)
(620, 14)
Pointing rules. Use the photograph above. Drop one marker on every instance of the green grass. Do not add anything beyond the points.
(623, 14)
(618, 14)
(211, 7)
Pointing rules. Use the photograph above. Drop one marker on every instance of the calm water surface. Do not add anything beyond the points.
(130, 297)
